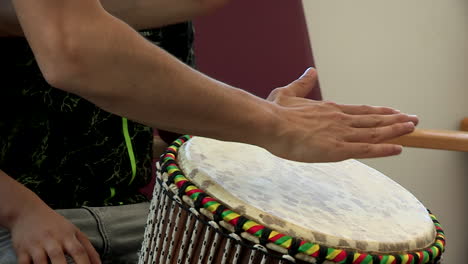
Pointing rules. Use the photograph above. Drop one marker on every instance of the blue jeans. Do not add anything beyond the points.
(115, 231)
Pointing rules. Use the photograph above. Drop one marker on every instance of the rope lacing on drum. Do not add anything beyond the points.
(319, 252)
(165, 164)
(398, 259)
(170, 179)
(322, 256)
(375, 259)
(218, 215)
(199, 201)
(265, 236)
(240, 224)
(293, 249)
(183, 187)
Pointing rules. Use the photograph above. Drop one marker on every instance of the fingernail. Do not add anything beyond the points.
(398, 149)
(306, 72)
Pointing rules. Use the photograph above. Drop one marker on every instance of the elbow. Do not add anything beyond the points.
(61, 60)
(59, 75)
(61, 68)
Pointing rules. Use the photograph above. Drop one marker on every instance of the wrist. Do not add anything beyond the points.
(16, 201)
(265, 126)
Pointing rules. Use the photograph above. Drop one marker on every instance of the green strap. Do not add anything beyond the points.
(128, 142)
(131, 155)
(112, 191)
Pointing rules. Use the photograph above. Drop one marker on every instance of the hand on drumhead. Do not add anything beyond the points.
(320, 131)
(41, 236)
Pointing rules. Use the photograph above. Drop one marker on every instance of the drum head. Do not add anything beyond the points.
(342, 205)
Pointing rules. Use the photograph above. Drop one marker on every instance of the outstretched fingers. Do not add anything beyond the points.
(367, 150)
(374, 120)
(367, 110)
(379, 134)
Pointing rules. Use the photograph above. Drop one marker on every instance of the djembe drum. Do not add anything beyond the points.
(225, 202)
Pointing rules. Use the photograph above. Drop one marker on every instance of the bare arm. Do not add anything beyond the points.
(10, 191)
(139, 14)
(121, 72)
(108, 68)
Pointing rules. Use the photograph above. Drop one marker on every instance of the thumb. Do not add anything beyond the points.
(304, 85)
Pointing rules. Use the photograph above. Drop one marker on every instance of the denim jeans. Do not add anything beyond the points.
(115, 231)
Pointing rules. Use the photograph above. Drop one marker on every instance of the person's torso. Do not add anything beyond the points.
(64, 148)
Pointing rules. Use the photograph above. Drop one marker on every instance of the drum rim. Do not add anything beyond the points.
(168, 164)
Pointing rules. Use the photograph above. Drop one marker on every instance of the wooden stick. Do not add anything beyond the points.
(464, 124)
(435, 139)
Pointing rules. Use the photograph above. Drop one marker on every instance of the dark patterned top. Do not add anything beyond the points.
(64, 148)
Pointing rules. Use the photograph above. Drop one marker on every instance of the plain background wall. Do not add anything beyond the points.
(412, 55)
(254, 45)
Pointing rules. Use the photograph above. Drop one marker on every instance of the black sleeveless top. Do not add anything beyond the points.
(64, 148)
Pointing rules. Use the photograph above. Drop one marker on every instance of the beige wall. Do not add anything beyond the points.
(412, 55)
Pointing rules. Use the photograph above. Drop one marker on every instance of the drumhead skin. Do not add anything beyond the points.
(342, 205)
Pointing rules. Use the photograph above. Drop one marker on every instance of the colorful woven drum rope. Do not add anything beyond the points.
(292, 245)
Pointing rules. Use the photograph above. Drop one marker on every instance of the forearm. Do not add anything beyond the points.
(148, 85)
(14, 197)
(123, 73)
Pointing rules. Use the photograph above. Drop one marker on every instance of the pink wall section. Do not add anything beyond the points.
(255, 45)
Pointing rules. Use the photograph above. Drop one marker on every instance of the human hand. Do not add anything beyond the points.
(320, 131)
(40, 235)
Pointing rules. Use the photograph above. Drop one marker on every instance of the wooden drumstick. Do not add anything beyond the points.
(464, 124)
(434, 139)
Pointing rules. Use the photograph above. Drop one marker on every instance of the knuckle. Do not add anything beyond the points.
(76, 250)
(47, 234)
(365, 109)
(377, 121)
(330, 104)
(55, 252)
(338, 116)
(275, 93)
(338, 145)
(345, 131)
(374, 135)
(366, 149)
